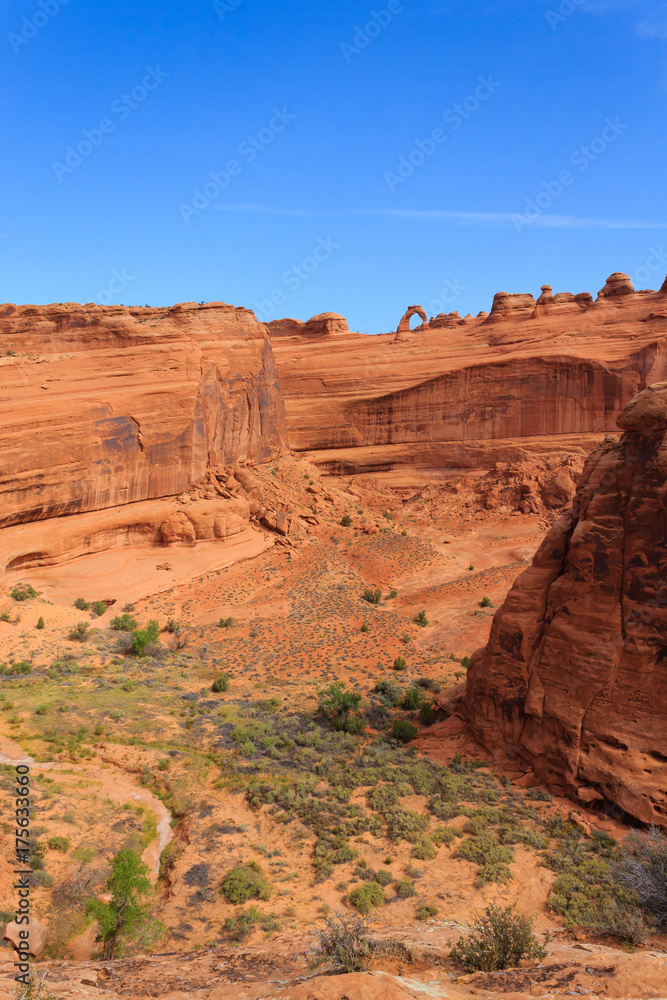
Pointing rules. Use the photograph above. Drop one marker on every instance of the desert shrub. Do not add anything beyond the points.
(341, 707)
(425, 912)
(492, 857)
(427, 715)
(242, 924)
(499, 939)
(244, 882)
(390, 692)
(424, 849)
(465, 662)
(23, 592)
(404, 824)
(405, 888)
(226, 623)
(402, 731)
(42, 878)
(343, 943)
(59, 844)
(220, 684)
(367, 896)
(445, 835)
(98, 607)
(22, 667)
(485, 603)
(383, 877)
(79, 633)
(412, 699)
(372, 596)
(400, 664)
(364, 627)
(124, 623)
(4, 617)
(173, 626)
(421, 619)
(82, 604)
(642, 870)
(346, 520)
(382, 798)
(143, 638)
(40, 622)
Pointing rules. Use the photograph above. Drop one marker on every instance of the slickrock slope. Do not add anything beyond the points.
(475, 391)
(574, 677)
(106, 406)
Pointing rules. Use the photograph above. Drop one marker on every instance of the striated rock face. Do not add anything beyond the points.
(574, 677)
(506, 306)
(324, 325)
(107, 406)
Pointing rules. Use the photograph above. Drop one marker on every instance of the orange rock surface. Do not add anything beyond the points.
(574, 676)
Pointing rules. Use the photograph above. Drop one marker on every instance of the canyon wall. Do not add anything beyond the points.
(574, 676)
(106, 406)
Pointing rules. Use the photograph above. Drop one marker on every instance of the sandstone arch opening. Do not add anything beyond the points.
(404, 325)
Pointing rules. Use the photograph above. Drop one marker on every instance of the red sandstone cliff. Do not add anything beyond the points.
(106, 406)
(574, 677)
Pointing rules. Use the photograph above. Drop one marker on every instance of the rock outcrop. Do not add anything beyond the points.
(574, 676)
(617, 283)
(107, 406)
(404, 325)
(506, 306)
(324, 325)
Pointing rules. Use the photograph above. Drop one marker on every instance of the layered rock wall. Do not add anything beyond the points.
(574, 676)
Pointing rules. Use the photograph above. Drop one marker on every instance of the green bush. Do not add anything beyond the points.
(145, 637)
(23, 592)
(499, 939)
(343, 943)
(59, 844)
(226, 622)
(405, 888)
(364, 627)
(367, 896)
(124, 623)
(493, 858)
(425, 912)
(427, 715)
(244, 882)
(40, 622)
(242, 924)
(485, 603)
(445, 835)
(341, 707)
(383, 877)
(99, 608)
(220, 684)
(424, 849)
(21, 668)
(421, 619)
(390, 692)
(346, 520)
(399, 663)
(642, 870)
(79, 633)
(81, 604)
(402, 731)
(412, 699)
(372, 596)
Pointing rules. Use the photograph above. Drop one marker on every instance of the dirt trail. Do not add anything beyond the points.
(114, 784)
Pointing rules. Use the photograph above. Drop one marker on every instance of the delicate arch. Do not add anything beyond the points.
(404, 325)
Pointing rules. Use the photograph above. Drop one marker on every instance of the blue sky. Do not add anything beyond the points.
(350, 157)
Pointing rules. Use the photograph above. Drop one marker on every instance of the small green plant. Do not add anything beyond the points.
(4, 617)
(128, 884)
(173, 626)
(79, 633)
(220, 684)
(485, 603)
(372, 596)
(346, 520)
(23, 592)
(124, 623)
(341, 707)
(367, 896)
(412, 699)
(81, 604)
(405, 888)
(465, 662)
(145, 637)
(405, 638)
(244, 882)
(421, 619)
(99, 608)
(399, 663)
(163, 765)
(427, 715)
(242, 924)
(40, 622)
(226, 623)
(425, 912)
(402, 731)
(59, 844)
(393, 593)
(470, 568)
(364, 627)
(499, 939)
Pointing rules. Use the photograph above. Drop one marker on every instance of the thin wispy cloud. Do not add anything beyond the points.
(436, 214)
